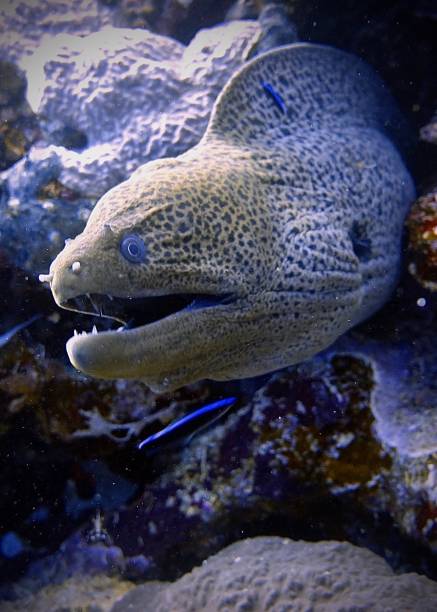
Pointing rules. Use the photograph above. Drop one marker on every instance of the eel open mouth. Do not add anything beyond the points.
(145, 338)
(131, 312)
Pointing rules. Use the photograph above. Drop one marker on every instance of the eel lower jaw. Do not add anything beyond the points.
(110, 353)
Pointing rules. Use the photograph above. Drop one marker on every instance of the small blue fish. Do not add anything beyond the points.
(8, 335)
(276, 97)
(189, 425)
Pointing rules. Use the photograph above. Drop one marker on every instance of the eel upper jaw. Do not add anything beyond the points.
(159, 333)
(140, 311)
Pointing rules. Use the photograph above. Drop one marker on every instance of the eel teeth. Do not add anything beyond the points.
(97, 310)
(94, 330)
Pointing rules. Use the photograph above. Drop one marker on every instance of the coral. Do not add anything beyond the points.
(23, 23)
(403, 403)
(142, 13)
(18, 126)
(68, 408)
(429, 132)
(351, 430)
(277, 29)
(405, 397)
(264, 573)
(95, 594)
(279, 574)
(422, 225)
(354, 428)
(36, 215)
(13, 84)
(138, 96)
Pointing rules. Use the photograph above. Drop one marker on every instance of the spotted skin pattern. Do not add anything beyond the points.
(272, 207)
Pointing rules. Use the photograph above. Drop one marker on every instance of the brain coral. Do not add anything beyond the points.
(120, 97)
(270, 573)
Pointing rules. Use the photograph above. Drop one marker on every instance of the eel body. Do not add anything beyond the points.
(261, 245)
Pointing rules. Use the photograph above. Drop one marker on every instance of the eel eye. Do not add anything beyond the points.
(133, 249)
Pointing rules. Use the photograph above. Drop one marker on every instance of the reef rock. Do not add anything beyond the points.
(263, 573)
(37, 212)
(353, 428)
(422, 225)
(23, 23)
(120, 97)
(18, 125)
(429, 132)
(343, 446)
(278, 574)
(95, 594)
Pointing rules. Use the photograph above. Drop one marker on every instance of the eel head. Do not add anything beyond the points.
(157, 261)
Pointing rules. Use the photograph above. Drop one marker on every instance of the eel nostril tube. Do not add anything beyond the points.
(45, 278)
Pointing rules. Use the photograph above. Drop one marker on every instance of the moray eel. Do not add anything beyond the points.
(261, 245)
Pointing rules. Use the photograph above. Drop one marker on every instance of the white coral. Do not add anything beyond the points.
(134, 95)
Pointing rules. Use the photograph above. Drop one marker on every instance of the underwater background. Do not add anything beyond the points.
(307, 464)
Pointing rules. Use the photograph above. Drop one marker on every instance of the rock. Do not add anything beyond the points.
(269, 573)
